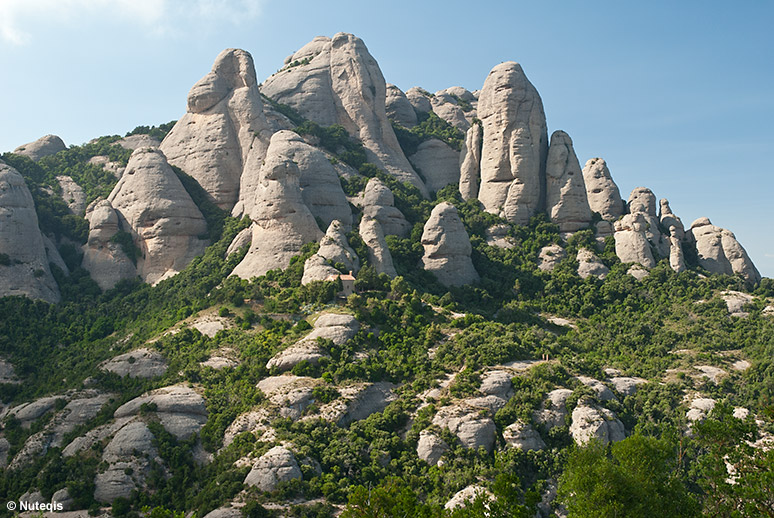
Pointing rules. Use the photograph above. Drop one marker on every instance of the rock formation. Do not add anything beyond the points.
(719, 251)
(591, 422)
(275, 466)
(470, 162)
(155, 208)
(631, 241)
(399, 108)
(330, 326)
(473, 426)
(334, 249)
(550, 256)
(337, 81)
(447, 247)
(430, 447)
(447, 108)
(566, 201)
(522, 436)
(379, 255)
(643, 201)
(104, 259)
(515, 145)
(438, 164)
(419, 99)
(140, 363)
(24, 266)
(72, 194)
(379, 204)
(224, 129)
(601, 191)
(282, 223)
(44, 146)
(589, 264)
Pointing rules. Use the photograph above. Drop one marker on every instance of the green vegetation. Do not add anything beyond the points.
(430, 126)
(158, 132)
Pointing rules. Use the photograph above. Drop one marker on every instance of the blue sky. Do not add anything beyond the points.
(677, 97)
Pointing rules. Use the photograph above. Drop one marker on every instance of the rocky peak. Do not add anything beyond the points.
(282, 223)
(566, 200)
(44, 146)
(642, 200)
(719, 251)
(337, 81)
(224, 129)
(155, 208)
(515, 144)
(378, 253)
(106, 261)
(399, 108)
(378, 203)
(601, 191)
(447, 247)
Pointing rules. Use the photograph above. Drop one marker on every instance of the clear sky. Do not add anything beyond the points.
(676, 96)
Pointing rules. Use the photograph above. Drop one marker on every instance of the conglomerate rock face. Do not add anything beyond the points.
(602, 193)
(566, 201)
(719, 251)
(447, 247)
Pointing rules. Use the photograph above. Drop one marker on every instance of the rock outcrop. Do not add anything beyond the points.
(601, 191)
(447, 108)
(522, 436)
(591, 422)
(379, 256)
(379, 204)
(549, 257)
(472, 425)
(447, 247)
(24, 266)
(515, 145)
(589, 264)
(179, 408)
(103, 258)
(553, 411)
(338, 328)
(224, 130)
(438, 164)
(337, 81)
(566, 201)
(282, 223)
(155, 208)
(44, 146)
(292, 394)
(273, 467)
(140, 363)
(127, 458)
(419, 99)
(631, 241)
(72, 194)
(430, 447)
(719, 251)
(334, 249)
(399, 108)
(470, 162)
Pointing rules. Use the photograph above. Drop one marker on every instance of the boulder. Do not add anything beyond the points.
(522, 436)
(497, 383)
(447, 247)
(140, 363)
(24, 269)
(378, 254)
(603, 393)
(379, 204)
(438, 164)
(398, 107)
(72, 194)
(224, 131)
(105, 260)
(473, 426)
(431, 448)
(591, 422)
(44, 146)
(566, 201)
(155, 208)
(631, 241)
(447, 108)
(470, 162)
(736, 301)
(700, 408)
(273, 467)
(549, 257)
(419, 99)
(601, 191)
(337, 81)
(515, 145)
(590, 265)
(719, 251)
(282, 223)
(497, 235)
